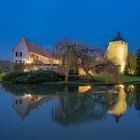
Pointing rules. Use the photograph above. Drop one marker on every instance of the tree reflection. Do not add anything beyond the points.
(77, 104)
(74, 109)
(137, 98)
(133, 95)
(130, 94)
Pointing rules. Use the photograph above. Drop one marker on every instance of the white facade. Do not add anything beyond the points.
(21, 53)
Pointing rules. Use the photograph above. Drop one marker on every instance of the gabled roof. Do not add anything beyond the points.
(36, 49)
(119, 37)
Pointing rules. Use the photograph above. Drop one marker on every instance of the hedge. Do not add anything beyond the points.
(39, 76)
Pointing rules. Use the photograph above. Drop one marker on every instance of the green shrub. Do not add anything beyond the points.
(15, 76)
(131, 68)
(42, 76)
(1, 76)
(33, 77)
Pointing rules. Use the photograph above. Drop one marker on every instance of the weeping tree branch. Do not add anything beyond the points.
(83, 56)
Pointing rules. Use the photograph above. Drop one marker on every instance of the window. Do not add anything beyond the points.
(20, 54)
(20, 101)
(16, 102)
(16, 53)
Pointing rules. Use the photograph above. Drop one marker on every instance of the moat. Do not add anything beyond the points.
(72, 112)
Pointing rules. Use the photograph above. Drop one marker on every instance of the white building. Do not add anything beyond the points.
(28, 53)
(26, 103)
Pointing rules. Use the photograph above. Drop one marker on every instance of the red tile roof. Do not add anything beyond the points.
(36, 49)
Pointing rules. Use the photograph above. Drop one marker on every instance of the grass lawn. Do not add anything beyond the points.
(127, 78)
(106, 78)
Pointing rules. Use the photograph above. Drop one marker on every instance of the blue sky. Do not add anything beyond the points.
(45, 22)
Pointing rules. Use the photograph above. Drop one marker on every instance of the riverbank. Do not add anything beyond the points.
(49, 78)
(100, 80)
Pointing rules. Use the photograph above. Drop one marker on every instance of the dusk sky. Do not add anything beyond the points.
(45, 22)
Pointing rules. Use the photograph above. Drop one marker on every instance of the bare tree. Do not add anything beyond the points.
(5, 65)
(63, 51)
(88, 57)
(74, 54)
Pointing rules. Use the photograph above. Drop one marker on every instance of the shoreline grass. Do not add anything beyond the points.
(127, 78)
(100, 79)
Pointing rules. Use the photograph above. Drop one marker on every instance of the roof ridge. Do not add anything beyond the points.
(37, 49)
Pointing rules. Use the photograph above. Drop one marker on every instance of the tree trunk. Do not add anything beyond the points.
(66, 77)
(89, 75)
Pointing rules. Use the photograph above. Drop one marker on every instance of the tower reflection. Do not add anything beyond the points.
(119, 109)
(76, 104)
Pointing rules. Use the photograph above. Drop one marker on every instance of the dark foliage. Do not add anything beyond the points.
(32, 77)
(138, 61)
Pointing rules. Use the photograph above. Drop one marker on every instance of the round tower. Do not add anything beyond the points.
(117, 52)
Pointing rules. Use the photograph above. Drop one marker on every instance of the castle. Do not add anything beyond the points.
(117, 52)
(28, 53)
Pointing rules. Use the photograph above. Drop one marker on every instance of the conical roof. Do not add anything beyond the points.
(119, 37)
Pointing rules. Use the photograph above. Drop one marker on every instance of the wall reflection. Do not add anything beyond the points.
(76, 104)
(119, 109)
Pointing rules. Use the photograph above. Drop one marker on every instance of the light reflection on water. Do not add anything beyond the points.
(68, 107)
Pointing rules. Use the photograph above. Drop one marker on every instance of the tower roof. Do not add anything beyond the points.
(119, 37)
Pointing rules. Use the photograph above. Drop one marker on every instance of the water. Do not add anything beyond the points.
(69, 113)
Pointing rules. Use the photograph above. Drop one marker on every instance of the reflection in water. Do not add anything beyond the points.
(131, 94)
(120, 107)
(74, 108)
(131, 88)
(83, 89)
(26, 103)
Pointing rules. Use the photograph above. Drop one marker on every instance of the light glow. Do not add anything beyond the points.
(117, 52)
(83, 89)
(121, 105)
